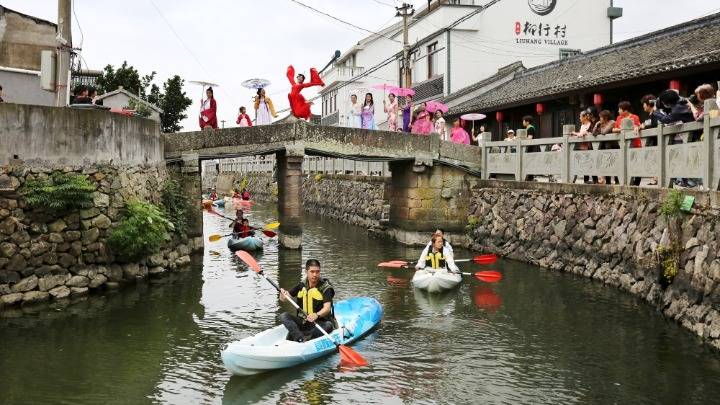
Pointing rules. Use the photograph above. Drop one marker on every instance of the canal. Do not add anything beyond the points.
(535, 337)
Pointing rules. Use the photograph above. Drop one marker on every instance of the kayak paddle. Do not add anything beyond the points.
(486, 276)
(347, 355)
(266, 231)
(481, 259)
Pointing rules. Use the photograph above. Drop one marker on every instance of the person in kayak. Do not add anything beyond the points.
(235, 194)
(438, 257)
(245, 195)
(446, 247)
(246, 230)
(236, 225)
(315, 296)
(213, 195)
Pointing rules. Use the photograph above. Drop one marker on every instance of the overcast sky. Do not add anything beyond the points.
(228, 41)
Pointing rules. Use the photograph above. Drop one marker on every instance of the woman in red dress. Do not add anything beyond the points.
(301, 108)
(208, 111)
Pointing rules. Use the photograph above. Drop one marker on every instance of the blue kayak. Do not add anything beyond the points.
(270, 350)
(219, 203)
(249, 244)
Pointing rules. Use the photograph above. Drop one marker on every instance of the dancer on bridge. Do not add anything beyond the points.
(208, 111)
(301, 108)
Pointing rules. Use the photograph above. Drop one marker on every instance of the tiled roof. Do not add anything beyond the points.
(694, 43)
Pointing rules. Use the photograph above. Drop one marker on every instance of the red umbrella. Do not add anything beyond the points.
(432, 106)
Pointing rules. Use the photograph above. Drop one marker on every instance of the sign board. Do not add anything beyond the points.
(687, 203)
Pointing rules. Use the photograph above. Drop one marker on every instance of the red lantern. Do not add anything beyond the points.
(675, 85)
(539, 108)
(499, 116)
(597, 100)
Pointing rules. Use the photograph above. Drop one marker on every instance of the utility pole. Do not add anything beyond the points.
(64, 46)
(405, 11)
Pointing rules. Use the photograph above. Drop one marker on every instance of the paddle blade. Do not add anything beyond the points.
(485, 260)
(488, 276)
(489, 256)
(214, 238)
(269, 234)
(394, 265)
(351, 357)
(249, 260)
(273, 225)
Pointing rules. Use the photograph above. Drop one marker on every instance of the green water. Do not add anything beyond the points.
(535, 337)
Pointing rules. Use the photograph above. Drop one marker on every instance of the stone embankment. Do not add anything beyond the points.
(610, 235)
(46, 255)
(358, 200)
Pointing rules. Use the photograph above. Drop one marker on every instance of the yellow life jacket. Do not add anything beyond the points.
(435, 260)
(310, 296)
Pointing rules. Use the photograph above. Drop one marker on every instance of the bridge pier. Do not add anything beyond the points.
(290, 210)
(187, 173)
(424, 197)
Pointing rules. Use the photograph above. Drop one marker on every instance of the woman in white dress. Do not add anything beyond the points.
(355, 113)
(440, 127)
(264, 109)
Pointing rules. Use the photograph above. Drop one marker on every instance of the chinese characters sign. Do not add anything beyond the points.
(540, 33)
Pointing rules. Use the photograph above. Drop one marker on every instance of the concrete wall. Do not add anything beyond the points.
(609, 235)
(22, 38)
(67, 136)
(24, 88)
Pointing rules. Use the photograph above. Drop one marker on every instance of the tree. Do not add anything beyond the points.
(173, 102)
(172, 99)
(126, 76)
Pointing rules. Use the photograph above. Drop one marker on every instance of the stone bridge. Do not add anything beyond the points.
(430, 185)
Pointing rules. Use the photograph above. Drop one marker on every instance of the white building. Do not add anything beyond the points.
(120, 98)
(458, 43)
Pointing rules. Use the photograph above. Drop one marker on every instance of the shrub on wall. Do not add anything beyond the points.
(59, 192)
(177, 206)
(141, 231)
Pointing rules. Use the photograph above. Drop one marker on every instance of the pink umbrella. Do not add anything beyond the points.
(383, 86)
(432, 106)
(401, 91)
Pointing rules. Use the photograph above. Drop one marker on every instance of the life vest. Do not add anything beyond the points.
(435, 260)
(311, 298)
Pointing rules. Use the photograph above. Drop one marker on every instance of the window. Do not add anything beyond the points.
(335, 102)
(566, 53)
(432, 60)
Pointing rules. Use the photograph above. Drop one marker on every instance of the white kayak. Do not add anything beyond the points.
(436, 280)
(270, 350)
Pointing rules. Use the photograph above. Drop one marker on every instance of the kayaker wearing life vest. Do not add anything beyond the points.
(315, 296)
(245, 195)
(213, 195)
(236, 225)
(246, 230)
(438, 257)
(446, 247)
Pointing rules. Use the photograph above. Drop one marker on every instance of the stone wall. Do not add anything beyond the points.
(609, 234)
(46, 255)
(358, 200)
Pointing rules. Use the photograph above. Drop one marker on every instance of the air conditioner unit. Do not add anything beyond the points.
(47, 70)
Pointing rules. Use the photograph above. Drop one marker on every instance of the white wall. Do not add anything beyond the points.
(121, 100)
(24, 88)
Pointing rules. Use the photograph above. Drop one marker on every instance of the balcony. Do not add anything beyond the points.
(341, 74)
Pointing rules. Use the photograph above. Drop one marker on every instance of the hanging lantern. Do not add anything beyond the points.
(597, 100)
(499, 116)
(675, 85)
(539, 108)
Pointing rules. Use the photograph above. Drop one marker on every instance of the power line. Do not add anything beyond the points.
(341, 20)
(384, 4)
(82, 35)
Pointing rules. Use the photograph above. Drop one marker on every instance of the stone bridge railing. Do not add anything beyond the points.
(690, 150)
(311, 164)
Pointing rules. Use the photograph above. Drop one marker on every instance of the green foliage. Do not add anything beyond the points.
(171, 99)
(177, 207)
(174, 102)
(141, 232)
(126, 76)
(473, 221)
(59, 192)
(670, 208)
(140, 108)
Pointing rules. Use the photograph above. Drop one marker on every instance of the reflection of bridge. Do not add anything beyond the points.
(430, 182)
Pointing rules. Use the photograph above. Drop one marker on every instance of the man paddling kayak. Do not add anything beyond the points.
(446, 247)
(438, 257)
(315, 296)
